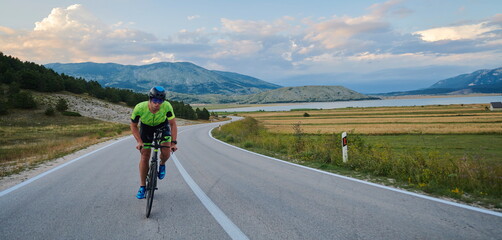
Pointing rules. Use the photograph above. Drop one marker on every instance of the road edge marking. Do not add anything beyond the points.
(20, 185)
(230, 228)
(481, 210)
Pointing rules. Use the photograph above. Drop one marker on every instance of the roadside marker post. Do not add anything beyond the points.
(344, 147)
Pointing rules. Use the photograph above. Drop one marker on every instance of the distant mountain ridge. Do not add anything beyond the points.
(180, 77)
(306, 94)
(481, 81)
(281, 95)
(190, 83)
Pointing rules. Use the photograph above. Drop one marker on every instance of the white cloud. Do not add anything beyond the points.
(473, 31)
(74, 17)
(256, 27)
(160, 57)
(190, 18)
(227, 48)
(282, 46)
(73, 34)
(337, 32)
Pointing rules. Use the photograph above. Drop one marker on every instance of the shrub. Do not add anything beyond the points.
(50, 111)
(62, 105)
(3, 107)
(23, 100)
(71, 114)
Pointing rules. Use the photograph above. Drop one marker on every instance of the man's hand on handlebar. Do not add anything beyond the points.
(139, 146)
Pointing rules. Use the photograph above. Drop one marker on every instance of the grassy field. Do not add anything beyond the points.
(28, 138)
(452, 119)
(484, 147)
(451, 151)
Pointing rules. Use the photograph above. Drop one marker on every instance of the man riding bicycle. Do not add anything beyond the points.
(154, 113)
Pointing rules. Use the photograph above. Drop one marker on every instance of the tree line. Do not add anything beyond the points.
(16, 76)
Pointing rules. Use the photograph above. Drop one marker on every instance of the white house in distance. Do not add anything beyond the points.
(496, 106)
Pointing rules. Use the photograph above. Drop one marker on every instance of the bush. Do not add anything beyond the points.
(306, 115)
(3, 107)
(50, 111)
(71, 114)
(62, 105)
(23, 100)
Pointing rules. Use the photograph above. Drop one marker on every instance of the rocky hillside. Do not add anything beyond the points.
(93, 107)
(481, 79)
(306, 94)
(281, 95)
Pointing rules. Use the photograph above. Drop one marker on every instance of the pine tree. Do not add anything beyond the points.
(62, 105)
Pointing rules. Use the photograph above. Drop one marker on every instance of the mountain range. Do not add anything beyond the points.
(179, 77)
(194, 84)
(481, 81)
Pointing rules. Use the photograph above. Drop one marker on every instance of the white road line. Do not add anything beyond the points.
(20, 185)
(498, 214)
(232, 230)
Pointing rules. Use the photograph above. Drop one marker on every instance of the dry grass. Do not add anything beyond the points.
(28, 138)
(453, 119)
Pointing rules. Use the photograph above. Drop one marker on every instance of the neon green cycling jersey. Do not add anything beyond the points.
(142, 112)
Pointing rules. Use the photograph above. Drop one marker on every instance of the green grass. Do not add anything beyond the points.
(457, 166)
(486, 147)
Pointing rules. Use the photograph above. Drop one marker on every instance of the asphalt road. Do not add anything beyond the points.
(215, 191)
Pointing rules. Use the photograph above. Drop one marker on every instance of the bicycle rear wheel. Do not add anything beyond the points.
(151, 184)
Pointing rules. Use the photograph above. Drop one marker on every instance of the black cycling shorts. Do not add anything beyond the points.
(146, 132)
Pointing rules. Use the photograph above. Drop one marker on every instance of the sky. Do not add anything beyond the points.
(367, 46)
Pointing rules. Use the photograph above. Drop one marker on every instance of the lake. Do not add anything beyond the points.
(369, 103)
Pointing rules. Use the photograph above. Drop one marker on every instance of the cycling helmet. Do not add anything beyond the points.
(157, 92)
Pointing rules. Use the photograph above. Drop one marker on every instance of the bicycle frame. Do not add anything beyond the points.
(151, 178)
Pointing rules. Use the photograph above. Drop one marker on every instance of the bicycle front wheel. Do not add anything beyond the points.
(151, 181)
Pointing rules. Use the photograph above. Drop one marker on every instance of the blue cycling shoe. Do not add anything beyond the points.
(162, 171)
(141, 192)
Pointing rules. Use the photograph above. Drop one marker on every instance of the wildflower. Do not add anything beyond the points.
(457, 191)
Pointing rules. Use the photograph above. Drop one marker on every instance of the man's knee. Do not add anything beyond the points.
(145, 154)
(165, 155)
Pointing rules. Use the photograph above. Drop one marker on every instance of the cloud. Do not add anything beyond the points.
(243, 48)
(73, 34)
(190, 18)
(73, 18)
(160, 57)
(256, 27)
(472, 31)
(271, 49)
(339, 31)
(6, 30)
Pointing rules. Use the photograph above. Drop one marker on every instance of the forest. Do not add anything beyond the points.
(17, 76)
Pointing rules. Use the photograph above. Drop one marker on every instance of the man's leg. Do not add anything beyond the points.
(143, 165)
(165, 153)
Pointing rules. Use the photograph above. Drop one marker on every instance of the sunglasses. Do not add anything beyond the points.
(156, 100)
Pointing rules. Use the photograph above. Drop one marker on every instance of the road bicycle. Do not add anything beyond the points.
(151, 177)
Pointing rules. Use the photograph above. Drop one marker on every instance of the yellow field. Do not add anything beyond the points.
(452, 119)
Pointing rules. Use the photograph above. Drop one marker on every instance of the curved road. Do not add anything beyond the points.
(216, 191)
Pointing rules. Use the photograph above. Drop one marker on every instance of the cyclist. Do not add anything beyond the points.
(154, 113)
